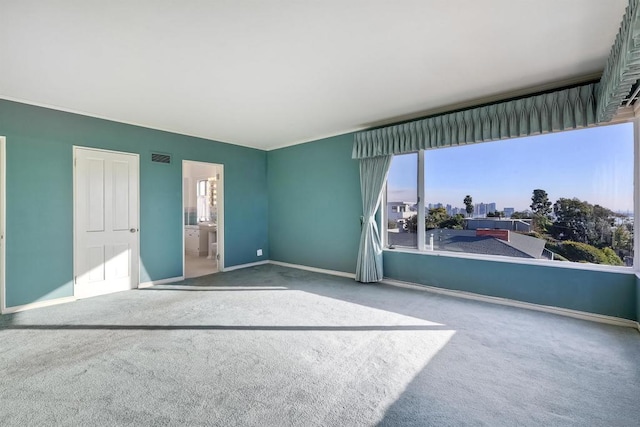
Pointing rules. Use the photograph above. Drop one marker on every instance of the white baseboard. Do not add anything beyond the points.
(593, 317)
(314, 269)
(160, 282)
(251, 264)
(39, 304)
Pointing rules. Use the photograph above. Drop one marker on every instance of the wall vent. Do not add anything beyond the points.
(161, 158)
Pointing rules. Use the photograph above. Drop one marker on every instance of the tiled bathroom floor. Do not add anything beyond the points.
(199, 266)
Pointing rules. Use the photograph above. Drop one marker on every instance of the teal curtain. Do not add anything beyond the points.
(373, 175)
(622, 70)
(554, 111)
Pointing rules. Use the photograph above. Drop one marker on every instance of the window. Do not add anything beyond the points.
(206, 199)
(560, 197)
(402, 201)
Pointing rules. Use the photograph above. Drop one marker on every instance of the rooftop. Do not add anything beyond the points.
(519, 245)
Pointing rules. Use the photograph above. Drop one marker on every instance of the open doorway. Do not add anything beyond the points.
(203, 212)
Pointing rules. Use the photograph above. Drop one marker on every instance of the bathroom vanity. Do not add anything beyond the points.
(198, 239)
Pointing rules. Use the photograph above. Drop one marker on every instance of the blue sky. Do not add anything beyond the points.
(594, 164)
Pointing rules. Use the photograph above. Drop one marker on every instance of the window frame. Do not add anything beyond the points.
(421, 232)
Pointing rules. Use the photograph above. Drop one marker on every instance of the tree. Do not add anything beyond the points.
(468, 202)
(521, 215)
(435, 217)
(541, 207)
(612, 257)
(540, 204)
(583, 222)
(603, 220)
(573, 220)
(582, 252)
(622, 238)
(455, 222)
(412, 224)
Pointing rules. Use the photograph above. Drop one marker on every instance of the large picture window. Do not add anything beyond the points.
(562, 197)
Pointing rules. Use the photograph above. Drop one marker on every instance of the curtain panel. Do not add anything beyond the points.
(622, 69)
(570, 108)
(373, 175)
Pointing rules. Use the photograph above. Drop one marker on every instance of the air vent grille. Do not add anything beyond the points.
(161, 158)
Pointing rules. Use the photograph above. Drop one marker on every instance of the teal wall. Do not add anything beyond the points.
(314, 204)
(638, 299)
(300, 204)
(608, 293)
(39, 246)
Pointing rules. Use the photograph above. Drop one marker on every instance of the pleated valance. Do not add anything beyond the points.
(622, 70)
(563, 109)
(554, 111)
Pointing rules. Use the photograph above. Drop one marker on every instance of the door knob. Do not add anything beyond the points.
(133, 230)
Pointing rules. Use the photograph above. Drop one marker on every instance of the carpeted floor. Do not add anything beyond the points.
(273, 346)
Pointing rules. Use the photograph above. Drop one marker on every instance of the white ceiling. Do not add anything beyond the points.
(268, 74)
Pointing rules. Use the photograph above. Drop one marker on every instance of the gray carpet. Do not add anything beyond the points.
(273, 346)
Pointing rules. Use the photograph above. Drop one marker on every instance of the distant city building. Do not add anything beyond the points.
(482, 209)
(508, 212)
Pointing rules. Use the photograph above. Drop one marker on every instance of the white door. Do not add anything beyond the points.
(105, 222)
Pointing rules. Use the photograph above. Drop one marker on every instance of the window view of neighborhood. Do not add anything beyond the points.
(559, 197)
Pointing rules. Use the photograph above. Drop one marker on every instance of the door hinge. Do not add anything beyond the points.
(75, 162)
(75, 280)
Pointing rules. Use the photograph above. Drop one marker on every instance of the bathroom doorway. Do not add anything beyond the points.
(203, 218)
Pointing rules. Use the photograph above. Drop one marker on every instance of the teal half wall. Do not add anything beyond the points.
(601, 292)
(39, 219)
(315, 205)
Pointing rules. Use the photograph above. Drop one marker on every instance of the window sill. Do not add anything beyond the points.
(538, 262)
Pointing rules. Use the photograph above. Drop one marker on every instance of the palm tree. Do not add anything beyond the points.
(468, 202)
